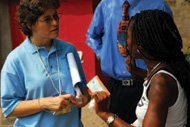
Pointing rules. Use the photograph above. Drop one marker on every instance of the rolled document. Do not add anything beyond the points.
(74, 71)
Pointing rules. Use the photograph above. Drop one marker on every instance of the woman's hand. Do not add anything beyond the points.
(136, 72)
(131, 65)
(56, 103)
(29, 107)
(102, 101)
(123, 50)
(84, 97)
(82, 103)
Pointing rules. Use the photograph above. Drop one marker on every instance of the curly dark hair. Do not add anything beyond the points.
(30, 10)
(156, 32)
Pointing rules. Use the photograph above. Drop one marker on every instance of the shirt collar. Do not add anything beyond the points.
(132, 3)
(31, 48)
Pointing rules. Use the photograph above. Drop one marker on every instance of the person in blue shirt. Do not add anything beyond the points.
(102, 38)
(36, 84)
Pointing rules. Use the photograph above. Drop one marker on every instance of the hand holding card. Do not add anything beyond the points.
(96, 84)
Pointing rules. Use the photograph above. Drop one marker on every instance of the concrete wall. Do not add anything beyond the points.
(5, 40)
(181, 12)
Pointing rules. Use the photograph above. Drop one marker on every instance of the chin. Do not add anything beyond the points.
(54, 36)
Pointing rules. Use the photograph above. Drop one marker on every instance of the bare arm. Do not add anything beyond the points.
(29, 107)
(25, 108)
(101, 108)
(162, 94)
(161, 89)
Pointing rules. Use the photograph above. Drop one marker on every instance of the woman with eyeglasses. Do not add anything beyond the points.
(36, 85)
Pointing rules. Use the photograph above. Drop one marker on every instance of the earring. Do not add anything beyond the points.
(138, 51)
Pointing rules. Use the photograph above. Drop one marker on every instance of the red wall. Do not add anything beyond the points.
(16, 35)
(75, 20)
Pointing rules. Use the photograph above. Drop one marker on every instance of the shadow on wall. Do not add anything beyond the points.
(0, 90)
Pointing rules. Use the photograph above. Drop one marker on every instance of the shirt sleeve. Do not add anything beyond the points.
(95, 31)
(167, 9)
(12, 92)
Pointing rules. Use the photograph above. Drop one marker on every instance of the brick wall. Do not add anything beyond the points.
(181, 12)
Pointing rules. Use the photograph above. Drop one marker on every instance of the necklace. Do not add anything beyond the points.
(59, 92)
(148, 74)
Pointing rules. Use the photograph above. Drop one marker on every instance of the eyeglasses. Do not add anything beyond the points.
(49, 19)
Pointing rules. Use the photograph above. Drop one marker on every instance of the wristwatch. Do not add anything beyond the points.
(111, 119)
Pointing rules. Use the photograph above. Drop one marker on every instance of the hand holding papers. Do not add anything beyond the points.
(96, 85)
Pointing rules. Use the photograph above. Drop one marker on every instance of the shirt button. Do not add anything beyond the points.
(51, 66)
(123, 72)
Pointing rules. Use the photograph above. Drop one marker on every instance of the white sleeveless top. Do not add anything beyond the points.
(177, 113)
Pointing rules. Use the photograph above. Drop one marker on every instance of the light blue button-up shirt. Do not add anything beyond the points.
(102, 33)
(23, 77)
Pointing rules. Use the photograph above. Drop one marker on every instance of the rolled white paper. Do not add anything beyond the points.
(74, 71)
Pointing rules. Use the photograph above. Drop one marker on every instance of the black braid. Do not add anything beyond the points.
(158, 35)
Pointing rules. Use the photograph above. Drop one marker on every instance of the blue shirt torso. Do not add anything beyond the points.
(102, 33)
(24, 78)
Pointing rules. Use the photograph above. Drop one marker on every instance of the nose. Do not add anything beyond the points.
(55, 22)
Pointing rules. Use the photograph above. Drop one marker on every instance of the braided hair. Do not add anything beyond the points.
(157, 34)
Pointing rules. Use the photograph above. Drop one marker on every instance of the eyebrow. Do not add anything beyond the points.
(47, 16)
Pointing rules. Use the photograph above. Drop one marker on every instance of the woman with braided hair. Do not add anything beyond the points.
(154, 37)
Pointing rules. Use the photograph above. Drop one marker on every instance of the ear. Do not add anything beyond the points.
(29, 27)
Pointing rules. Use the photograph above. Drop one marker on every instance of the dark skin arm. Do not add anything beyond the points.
(162, 88)
(162, 94)
(102, 101)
